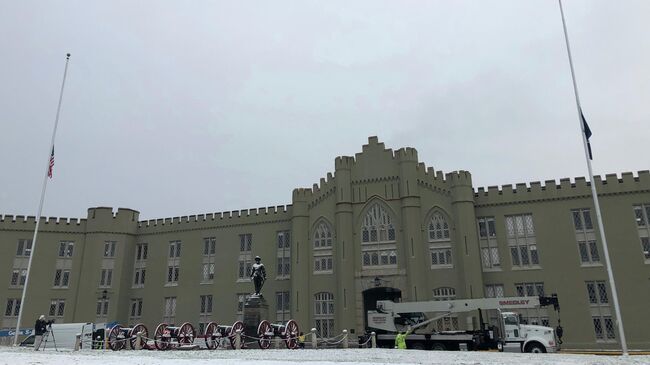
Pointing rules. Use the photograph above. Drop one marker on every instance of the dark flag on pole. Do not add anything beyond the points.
(585, 126)
(50, 170)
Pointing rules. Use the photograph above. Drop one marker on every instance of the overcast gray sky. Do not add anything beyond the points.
(183, 107)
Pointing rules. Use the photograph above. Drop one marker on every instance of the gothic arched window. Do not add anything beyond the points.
(440, 241)
(323, 258)
(438, 228)
(378, 239)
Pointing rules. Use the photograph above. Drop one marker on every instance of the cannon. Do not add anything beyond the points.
(118, 336)
(169, 336)
(214, 333)
(288, 332)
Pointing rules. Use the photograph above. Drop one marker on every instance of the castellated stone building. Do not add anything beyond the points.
(383, 224)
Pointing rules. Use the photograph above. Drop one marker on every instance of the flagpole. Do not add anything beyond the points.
(40, 204)
(601, 228)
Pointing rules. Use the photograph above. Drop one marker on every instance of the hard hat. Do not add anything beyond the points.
(257, 258)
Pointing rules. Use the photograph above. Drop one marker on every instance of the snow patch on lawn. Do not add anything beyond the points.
(312, 357)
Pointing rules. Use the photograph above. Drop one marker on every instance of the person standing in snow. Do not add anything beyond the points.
(400, 339)
(40, 327)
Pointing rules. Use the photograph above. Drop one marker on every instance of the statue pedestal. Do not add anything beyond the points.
(255, 310)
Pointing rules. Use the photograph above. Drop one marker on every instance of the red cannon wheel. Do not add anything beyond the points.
(291, 333)
(116, 338)
(264, 334)
(162, 337)
(133, 335)
(212, 336)
(185, 334)
(239, 325)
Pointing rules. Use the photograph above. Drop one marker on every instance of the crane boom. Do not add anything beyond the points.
(458, 306)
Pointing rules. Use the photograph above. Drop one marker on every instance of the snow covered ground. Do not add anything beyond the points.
(22, 356)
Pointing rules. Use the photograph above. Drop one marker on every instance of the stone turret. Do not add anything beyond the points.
(300, 254)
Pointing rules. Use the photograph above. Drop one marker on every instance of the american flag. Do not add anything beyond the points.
(51, 168)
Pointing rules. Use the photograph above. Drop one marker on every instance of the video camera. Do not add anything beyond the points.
(49, 323)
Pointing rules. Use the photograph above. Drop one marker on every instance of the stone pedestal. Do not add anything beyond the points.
(255, 311)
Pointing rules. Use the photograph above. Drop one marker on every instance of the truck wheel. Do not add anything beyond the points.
(438, 346)
(417, 346)
(535, 348)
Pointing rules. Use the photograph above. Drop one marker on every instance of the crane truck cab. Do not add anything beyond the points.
(525, 337)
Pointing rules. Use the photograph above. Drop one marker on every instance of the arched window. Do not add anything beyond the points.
(323, 258)
(438, 228)
(322, 235)
(440, 242)
(448, 323)
(324, 314)
(378, 240)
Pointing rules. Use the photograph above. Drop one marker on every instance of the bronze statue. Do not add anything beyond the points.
(258, 275)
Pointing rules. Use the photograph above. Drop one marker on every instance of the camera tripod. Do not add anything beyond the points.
(46, 337)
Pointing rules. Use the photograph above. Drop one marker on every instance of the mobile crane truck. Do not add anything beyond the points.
(390, 318)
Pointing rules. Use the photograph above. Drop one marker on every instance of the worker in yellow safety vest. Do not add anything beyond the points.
(400, 339)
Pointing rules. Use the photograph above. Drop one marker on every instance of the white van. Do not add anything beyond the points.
(64, 336)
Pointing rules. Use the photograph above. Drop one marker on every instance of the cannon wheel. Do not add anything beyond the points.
(291, 333)
(115, 343)
(264, 334)
(133, 335)
(161, 337)
(233, 330)
(211, 336)
(185, 335)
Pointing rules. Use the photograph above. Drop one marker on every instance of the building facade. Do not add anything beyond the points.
(381, 220)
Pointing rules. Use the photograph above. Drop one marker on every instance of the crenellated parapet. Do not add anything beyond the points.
(216, 220)
(28, 223)
(344, 163)
(566, 188)
(105, 219)
(406, 155)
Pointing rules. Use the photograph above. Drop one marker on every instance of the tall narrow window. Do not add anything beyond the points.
(245, 256)
(66, 249)
(324, 314)
(642, 216)
(521, 240)
(169, 310)
(378, 239)
(488, 241)
(283, 254)
(323, 258)
(18, 277)
(140, 265)
(173, 263)
(585, 236)
(13, 307)
(208, 259)
(24, 248)
(109, 248)
(61, 278)
(601, 314)
(439, 242)
(57, 308)
(205, 311)
(106, 278)
(282, 306)
(136, 309)
(102, 308)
